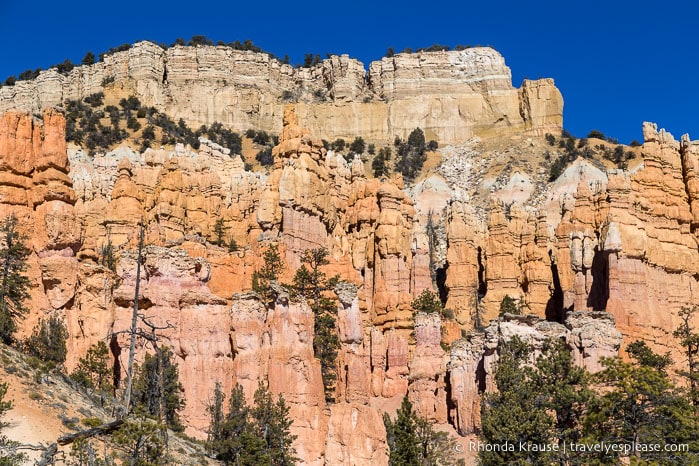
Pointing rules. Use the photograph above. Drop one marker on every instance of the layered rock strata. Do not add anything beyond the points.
(451, 95)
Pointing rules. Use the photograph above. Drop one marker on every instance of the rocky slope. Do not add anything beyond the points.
(593, 240)
(450, 95)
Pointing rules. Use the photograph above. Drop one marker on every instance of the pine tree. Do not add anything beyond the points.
(402, 438)
(690, 342)
(641, 406)
(380, 164)
(8, 456)
(48, 341)
(93, 370)
(220, 231)
(271, 269)
(564, 392)
(312, 283)
(158, 390)
(516, 412)
(14, 285)
(271, 422)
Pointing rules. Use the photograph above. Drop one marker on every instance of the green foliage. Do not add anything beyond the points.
(89, 58)
(564, 393)
(390, 52)
(411, 154)
(8, 454)
(107, 257)
(310, 60)
(232, 245)
(10, 81)
(273, 266)
(142, 441)
(508, 306)
(516, 412)
(380, 164)
(14, 285)
(257, 435)
(48, 341)
(689, 340)
(428, 302)
(265, 157)
(597, 134)
(113, 50)
(413, 441)
(640, 405)
(635, 143)
(93, 371)
(338, 145)
(357, 146)
(551, 139)
(94, 100)
(312, 283)
(371, 149)
(557, 168)
(219, 231)
(157, 390)
(200, 40)
(29, 74)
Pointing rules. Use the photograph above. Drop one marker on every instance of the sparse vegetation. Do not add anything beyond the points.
(410, 154)
(14, 285)
(509, 306)
(311, 283)
(48, 341)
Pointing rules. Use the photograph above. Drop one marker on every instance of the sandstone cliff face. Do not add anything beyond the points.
(451, 95)
(623, 242)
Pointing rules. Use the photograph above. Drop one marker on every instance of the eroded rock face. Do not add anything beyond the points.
(623, 242)
(451, 95)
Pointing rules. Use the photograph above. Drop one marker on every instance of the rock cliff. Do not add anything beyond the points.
(450, 95)
(620, 241)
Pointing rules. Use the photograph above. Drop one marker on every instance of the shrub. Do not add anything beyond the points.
(10, 81)
(148, 133)
(551, 139)
(200, 40)
(265, 157)
(428, 302)
(597, 134)
(557, 168)
(635, 143)
(95, 100)
(338, 145)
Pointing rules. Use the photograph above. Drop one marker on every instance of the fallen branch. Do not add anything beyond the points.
(99, 430)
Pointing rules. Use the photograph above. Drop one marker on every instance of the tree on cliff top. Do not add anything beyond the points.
(14, 285)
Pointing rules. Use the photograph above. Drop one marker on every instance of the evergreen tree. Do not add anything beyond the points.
(14, 285)
(516, 412)
(220, 231)
(565, 393)
(428, 302)
(508, 306)
(411, 154)
(640, 406)
(8, 456)
(94, 371)
(158, 390)
(690, 342)
(313, 284)
(380, 164)
(89, 58)
(402, 438)
(271, 422)
(273, 266)
(48, 341)
(142, 441)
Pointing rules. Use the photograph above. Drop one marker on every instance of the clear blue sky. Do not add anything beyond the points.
(616, 63)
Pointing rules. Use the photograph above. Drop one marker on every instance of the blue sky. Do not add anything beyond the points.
(616, 63)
